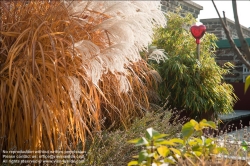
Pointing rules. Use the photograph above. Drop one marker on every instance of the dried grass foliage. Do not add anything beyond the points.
(64, 67)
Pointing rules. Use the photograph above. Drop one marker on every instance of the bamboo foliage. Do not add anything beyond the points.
(196, 86)
(66, 66)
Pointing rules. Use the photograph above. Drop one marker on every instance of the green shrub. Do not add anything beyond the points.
(196, 86)
(192, 146)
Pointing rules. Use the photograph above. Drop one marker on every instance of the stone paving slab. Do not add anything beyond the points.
(236, 115)
(239, 133)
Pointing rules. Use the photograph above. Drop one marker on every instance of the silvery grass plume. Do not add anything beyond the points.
(127, 28)
(67, 65)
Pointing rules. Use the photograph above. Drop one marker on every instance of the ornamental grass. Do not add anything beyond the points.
(68, 69)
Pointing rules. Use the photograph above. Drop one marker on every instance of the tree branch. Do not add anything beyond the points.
(231, 41)
(244, 45)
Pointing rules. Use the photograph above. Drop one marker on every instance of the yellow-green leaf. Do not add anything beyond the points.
(175, 151)
(168, 160)
(198, 153)
(193, 122)
(139, 141)
(204, 123)
(150, 133)
(142, 156)
(177, 140)
(247, 83)
(187, 130)
(163, 151)
(133, 163)
(166, 142)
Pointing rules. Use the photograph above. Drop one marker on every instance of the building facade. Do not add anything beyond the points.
(224, 52)
(214, 26)
(186, 7)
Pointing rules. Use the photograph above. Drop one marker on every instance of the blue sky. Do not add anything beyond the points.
(226, 5)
